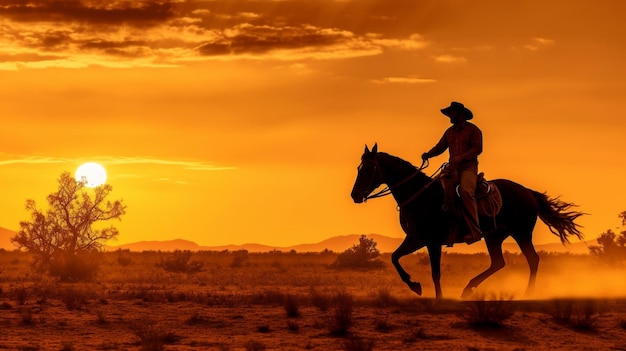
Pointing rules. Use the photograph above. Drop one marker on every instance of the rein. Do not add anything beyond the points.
(387, 190)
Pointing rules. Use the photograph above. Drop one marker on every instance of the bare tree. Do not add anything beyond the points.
(611, 246)
(60, 235)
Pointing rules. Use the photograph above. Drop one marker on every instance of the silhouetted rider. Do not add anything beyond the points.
(464, 141)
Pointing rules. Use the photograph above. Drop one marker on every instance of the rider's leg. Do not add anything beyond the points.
(467, 188)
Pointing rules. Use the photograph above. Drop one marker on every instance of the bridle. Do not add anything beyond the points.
(388, 190)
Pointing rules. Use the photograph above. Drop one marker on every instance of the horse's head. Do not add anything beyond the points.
(368, 176)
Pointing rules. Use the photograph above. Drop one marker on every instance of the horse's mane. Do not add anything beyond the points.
(402, 162)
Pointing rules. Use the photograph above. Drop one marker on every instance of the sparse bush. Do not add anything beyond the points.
(180, 262)
(382, 324)
(292, 306)
(74, 267)
(356, 343)
(489, 313)
(320, 300)
(124, 258)
(263, 329)
(342, 314)
(360, 256)
(75, 298)
(197, 319)
(252, 345)
(384, 297)
(26, 315)
(578, 314)
(153, 337)
(101, 318)
(240, 259)
(292, 326)
(21, 294)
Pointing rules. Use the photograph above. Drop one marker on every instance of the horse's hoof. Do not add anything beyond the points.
(467, 292)
(416, 288)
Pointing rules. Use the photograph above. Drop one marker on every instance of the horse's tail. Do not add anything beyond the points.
(556, 214)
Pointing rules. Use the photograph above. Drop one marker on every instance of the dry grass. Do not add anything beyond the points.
(293, 301)
(578, 314)
(490, 312)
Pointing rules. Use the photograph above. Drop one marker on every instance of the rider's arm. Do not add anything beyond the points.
(476, 145)
(438, 149)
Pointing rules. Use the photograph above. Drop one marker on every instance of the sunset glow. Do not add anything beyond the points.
(91, 174)
(231, 122)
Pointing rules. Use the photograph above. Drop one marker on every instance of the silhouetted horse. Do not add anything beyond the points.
(420, 199)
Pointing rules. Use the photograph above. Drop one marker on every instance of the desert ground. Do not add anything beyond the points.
(296, 301)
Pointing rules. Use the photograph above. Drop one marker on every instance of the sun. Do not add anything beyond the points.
(91, 174)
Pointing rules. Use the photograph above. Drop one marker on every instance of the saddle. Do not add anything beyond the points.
(488, 204)
(488, 198)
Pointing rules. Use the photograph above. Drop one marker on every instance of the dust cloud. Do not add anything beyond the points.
(559, 276)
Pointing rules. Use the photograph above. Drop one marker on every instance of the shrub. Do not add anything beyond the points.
(320, 300)
(124, 258)
(153, 337)
(342, 314)
(292, 306)
(240, 259)
(292, 326)
(489, 313)
(180, 262)
(75, 298)
(360, 256)
(255, 346)
(356, 343)
(74, 267)
(578, 314)
(21, 294)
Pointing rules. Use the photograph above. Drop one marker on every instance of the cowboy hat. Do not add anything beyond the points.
(457, 106)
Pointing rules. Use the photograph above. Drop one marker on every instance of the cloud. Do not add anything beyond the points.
(403, 80)
(74, 34)
(247, 38)
(413, 42)
(136, 12)
(538, 43)
(193, 165)
(450, 59)
(33, 160)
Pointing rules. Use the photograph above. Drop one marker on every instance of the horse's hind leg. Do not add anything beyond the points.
(494, 247)
(434, 252)
(407, 247)
(528, 250)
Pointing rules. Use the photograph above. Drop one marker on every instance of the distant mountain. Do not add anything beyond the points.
(336, 243)
(5, 239)
(341, 243)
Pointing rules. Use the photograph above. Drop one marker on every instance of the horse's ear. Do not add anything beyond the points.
(367, 150)
(375, 148)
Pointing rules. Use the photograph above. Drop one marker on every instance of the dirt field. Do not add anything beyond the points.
(289, 301)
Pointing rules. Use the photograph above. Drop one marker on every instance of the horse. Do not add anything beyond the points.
(420, 199)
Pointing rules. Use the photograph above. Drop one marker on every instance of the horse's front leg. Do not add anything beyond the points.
(407, 247)
(434, 253)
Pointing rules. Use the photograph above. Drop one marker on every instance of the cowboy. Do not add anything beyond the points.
(465, 142)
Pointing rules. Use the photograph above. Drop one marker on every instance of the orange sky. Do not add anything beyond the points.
(229, 121)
